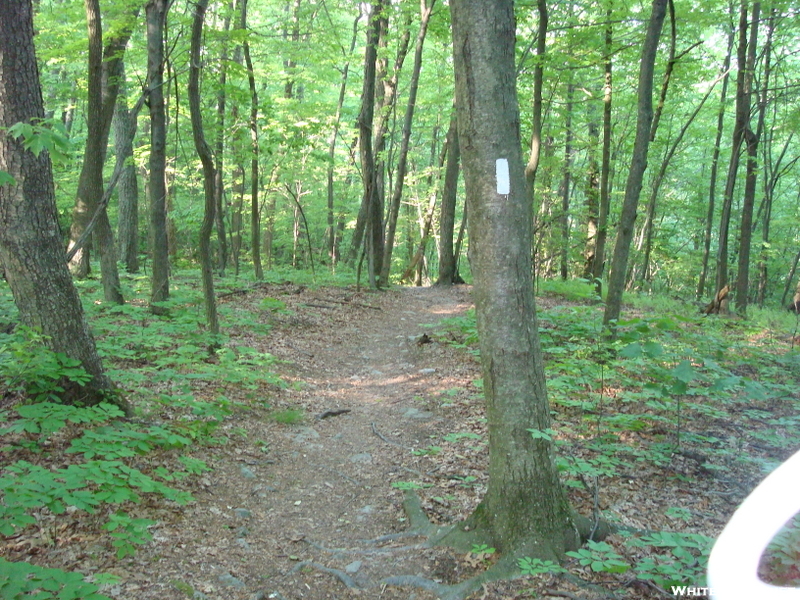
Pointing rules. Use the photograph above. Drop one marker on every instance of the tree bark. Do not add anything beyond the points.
(219, 181)
(525, 509)
(598, 264)
(204, 152)
(371, 199)
(156, 11)
(128, 186)
(447, 221)
(592, 195)
(743, 81)
(633, 187)
(752, 139)
(31, 252)
(103, 87)
(538, 81)
(566, 185)
(255, 215)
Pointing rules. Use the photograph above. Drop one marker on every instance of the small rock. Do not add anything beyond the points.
(242, 513)
(243, 544)
(247, 473)
(363, 458)
(427, 371)
(415, 413)
(199, 596)
(367, 510)
(353, 567)
(230, 581)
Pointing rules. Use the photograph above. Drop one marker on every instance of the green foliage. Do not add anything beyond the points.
(45, 134)
(782, 556)
(600, 557)
(28, 367)
(289, 416)
(21, 581)
(537, 566)
(428, 451)
(409, 485)
(672, 558)
(126, 532)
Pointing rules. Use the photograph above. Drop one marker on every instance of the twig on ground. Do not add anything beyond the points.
(387, 440)
(332, 413)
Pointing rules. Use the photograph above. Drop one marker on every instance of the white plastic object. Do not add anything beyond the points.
(503, 178)
(733, 563)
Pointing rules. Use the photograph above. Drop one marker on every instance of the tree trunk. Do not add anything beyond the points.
(752, 139)
(743, 81)
(592, 194)
(31, 252)
(538, 82)
(156, 11)
(204, 152)
(447, 221)
(371, 199)
(795, 305)
(566, 185)
(525, 509)
(402, 160)
(633, 187)
(103, 87)
(712, 188)
(128, 186)
(255, 216)
(219, 186)
(598, 265)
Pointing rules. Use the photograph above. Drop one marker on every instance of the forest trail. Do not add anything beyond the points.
(287, 507)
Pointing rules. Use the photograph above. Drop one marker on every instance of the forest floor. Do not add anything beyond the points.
(284, 495)
(304, 499)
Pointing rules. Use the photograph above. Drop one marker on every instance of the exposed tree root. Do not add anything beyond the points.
(505, 568)
(338, 573)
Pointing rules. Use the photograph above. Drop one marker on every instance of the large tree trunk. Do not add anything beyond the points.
(128, 186)
(31, 252)
(204, 152)
(525, 509)
(156, 11)
(633, 187)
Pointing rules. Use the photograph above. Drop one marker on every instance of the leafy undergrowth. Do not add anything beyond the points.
(664, 430)
(87, 483)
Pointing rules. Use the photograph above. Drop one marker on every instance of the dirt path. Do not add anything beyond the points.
(279, 503)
